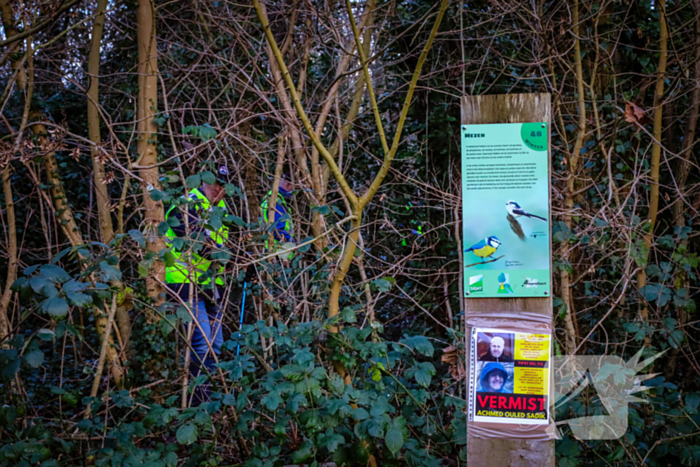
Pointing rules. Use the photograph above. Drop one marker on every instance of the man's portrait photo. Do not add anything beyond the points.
(495, 347)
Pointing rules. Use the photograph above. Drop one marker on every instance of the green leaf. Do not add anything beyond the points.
(423, 378)
(235, 220)
(54, 273)
(110, 273)
(360, 414)
(348, 315)
(37, 283)
(193, 181)
(272, 401)
(156, 195)
(204, 132)
(420, 344)
(382, 285)
(232, 189)
(186, 434)
(215, 222)
(45, 334)
(138, 237)
(35, 358)
(168, 258)
(394, 440)
(303, 453)
(208, 177)
(183, 314)
(55, 306)
(79, 298)
(229, 399)
(323, 210)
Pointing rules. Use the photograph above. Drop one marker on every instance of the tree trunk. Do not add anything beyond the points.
(11, 229)
(98, 167)
(147, 107)
(564, 276)
(655, 154)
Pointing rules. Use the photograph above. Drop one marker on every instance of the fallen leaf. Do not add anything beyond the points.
(450, 355)
(635, 114)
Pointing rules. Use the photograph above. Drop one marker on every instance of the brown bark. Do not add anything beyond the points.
(682, 171)
(11, 229)
(564, 276)
(147, 152)
(655, 152)
(98, 168)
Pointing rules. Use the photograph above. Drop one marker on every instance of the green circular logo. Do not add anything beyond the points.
(534, 136)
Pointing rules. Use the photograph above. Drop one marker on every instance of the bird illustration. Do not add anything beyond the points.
(516, 227)
(485, 248)
(516, 211)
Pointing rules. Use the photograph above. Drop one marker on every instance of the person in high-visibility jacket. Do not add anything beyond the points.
(193, 261)
(284, 228)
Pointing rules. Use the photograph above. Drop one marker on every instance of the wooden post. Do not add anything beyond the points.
(511, 108)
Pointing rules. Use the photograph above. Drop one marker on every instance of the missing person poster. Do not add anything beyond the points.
(510, 377)
(505, 205)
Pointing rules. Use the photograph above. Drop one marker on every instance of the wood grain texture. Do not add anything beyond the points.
(511, 108)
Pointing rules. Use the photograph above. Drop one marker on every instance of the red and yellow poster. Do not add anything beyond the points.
(510, 377)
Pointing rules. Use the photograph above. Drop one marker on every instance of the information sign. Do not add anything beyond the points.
(505, 200)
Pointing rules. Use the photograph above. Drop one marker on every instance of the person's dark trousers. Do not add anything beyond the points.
(207, 335)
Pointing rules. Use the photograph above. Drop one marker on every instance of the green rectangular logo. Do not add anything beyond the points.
(476, 284)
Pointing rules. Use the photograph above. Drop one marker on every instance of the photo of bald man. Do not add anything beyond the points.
(499, 350)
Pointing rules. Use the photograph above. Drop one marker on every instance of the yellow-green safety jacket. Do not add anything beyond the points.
(179, 272)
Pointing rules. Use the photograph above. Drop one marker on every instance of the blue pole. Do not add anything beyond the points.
(240, 325)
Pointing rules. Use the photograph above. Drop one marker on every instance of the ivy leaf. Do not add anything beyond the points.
(35, 358)
(186, 434)
(54, 273)
(394, 440)
(55, 306)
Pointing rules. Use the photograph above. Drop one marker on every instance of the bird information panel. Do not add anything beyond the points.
(510, 376)
(505, 201)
